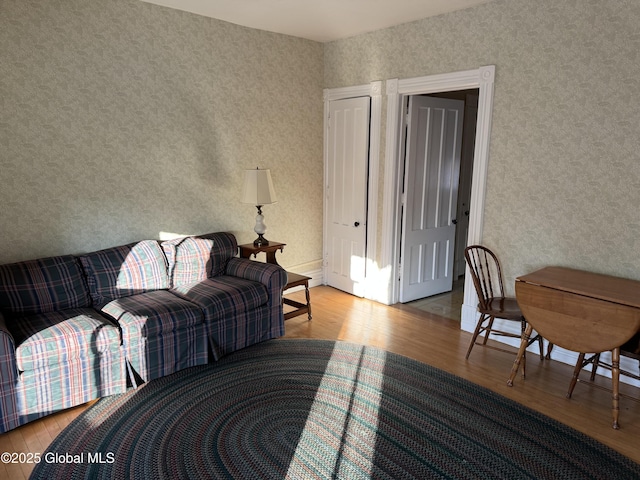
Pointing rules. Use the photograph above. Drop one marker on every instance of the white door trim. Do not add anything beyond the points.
(482, 79)
(373, 90)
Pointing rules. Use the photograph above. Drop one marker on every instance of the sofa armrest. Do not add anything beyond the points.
(8, 366)
(274, 277)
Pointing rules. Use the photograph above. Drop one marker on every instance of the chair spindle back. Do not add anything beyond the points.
(486, 273)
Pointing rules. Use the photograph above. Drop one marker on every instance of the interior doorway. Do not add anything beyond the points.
(355, 273)
(346, 193)
(444, 141)
(483, 79)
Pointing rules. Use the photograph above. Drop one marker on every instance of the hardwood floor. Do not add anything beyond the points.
(429, 338)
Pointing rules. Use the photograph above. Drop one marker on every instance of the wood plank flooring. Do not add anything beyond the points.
(429, 338)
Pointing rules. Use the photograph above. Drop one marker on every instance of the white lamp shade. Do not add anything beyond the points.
(258, 187)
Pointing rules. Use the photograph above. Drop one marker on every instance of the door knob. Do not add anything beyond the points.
(356, 224)
(454, 221)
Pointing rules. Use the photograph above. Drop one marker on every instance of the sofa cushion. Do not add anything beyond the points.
(42, 285)
(161, 333)
(189, 259)
(224, 296)
(193, 259)
(152, 313)
(225, 248)
(52, 338)
(126, 270)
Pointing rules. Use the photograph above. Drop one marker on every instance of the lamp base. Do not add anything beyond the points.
(260, 241)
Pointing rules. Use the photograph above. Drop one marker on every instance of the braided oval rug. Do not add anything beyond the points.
(321, 409)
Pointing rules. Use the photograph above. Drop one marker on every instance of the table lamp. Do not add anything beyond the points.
(258, 190)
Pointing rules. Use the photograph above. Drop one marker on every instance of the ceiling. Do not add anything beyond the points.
(319, 20)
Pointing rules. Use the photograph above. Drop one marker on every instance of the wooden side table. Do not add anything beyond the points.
(249, 249)
(293, 279)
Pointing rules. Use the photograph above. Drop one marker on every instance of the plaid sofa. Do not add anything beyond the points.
(77, 328)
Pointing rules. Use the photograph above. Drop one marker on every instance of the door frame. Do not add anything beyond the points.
(374, 91)
(466, 170)
(397, 90)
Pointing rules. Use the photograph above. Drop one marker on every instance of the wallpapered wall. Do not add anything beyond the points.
(120, 120)
(564, 170)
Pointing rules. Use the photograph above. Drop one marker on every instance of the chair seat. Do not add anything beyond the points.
(502, 307)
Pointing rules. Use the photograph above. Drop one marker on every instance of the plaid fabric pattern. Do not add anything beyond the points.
(167, 353)
(189, 259)
(245, 329)
(9, 411)
(86, 373)
(9, 416)
(126, 270)
(47, 390)
(224, 296)
(161, 332)
(236, 311)
(8, 368)
(274, 277)
(42, 285)
(225, 247)
(54, 338)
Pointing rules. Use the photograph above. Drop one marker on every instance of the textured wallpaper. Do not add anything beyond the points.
(120, 120)
(564, 170)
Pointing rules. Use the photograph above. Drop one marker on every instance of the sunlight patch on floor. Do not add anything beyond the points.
(321, 447)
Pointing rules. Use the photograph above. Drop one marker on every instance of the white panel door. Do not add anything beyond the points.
(432, 168)
(347, 170)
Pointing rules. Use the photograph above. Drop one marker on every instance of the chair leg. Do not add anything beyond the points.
(476, 332)
(576, 373)
(541, 343)
(594, 367)
(487, 330)
(549, 348)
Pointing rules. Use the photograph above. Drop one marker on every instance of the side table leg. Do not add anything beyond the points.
(271, 258)
(521, 352)
(306, 292)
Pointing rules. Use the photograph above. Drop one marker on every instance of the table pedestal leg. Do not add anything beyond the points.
(521, 352)
(615, 378)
